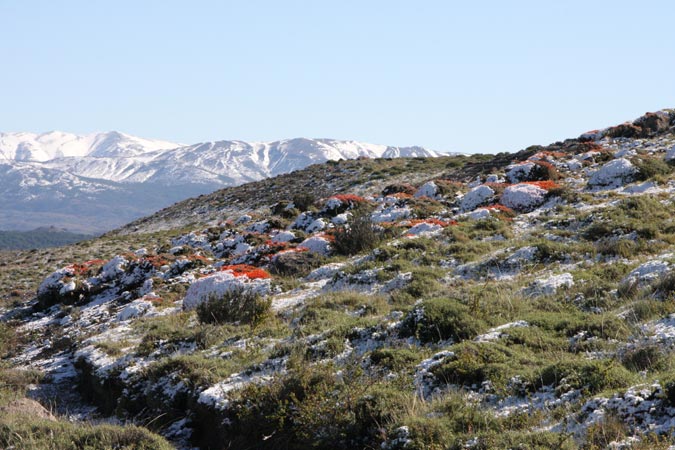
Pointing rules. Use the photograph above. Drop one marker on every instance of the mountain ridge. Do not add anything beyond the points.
(88, 168)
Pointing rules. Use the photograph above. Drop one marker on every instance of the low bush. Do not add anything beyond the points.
(19, 431)
(359, 235)
(591, 376)
(644, 357)
(440, 319)
(236, 305)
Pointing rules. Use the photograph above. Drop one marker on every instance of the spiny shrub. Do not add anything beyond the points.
(304, 201)
(359, 235)
(236, 305)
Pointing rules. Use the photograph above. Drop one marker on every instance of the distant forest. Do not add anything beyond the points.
(38, 238)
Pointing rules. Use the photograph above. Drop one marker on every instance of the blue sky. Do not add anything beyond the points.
(485, 76)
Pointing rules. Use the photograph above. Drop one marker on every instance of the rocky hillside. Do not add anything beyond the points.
(510, 301)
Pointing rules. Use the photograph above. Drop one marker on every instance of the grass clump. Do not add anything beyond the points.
(440, 319)
(591, 376)
(236, 305)
(24, 432)
(475, 363)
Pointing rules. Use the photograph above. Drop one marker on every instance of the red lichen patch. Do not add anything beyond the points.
(546, 184)
(400, 195)
(501, 212)
(156, 301)
(157, 261)
(245, 270)
(329, 236)
(349, 198)
(200, 258)
(294, 250)
(276, 244)
(497, 187)
(544, 155)
(85, 268)
(431, 221)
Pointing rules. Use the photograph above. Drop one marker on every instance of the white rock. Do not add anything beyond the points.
(259, 227)
(494, 178)
(573, 165)
(113, 268)
(478, 214)
(424, 228)
(137, 308)
(303, 221)
(476, 197)
(428, 189)
(670, 154)
(550, 285)
(332, 204)
(317, 225)
(324, 272)
(283, 236)
(495, 333)
(649, 271)
(521, 256)
(341, 219)
(625, 152)
(391, 214)
(220, 283)
(523, 197)
(316, 244)
(613, 174)
(516, 173)
(245, 218)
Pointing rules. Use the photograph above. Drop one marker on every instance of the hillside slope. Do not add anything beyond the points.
(507, 301)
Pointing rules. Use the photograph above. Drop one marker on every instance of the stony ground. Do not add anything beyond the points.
(515, 301)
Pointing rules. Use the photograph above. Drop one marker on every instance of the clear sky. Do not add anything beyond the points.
(464, 76)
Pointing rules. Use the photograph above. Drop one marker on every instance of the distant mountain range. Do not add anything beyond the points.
(38, 238)
(92, 183)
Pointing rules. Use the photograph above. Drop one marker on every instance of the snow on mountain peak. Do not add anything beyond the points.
(58, 144)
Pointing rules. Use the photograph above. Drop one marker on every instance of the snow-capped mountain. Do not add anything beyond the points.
(42, 176)
(57, 144)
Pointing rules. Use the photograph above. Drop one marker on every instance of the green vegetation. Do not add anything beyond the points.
(39, 238)
(235, 306)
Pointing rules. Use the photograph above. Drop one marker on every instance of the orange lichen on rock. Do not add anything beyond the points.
(85, 267)
(246, 270)
(546, 184)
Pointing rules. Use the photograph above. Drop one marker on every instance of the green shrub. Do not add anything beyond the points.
(304, 201)
(476, 362)
(395, 359)
(295, 264)
(359, 235)
(440, 319)
(592, 376)
(237, 305)
(644, 357)
(22, 432)
(649, 167)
